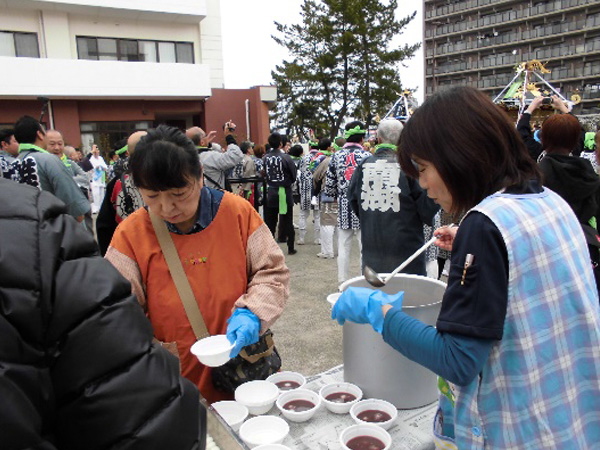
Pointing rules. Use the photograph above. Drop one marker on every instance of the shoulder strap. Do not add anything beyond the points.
(212, 181)
(179, 277)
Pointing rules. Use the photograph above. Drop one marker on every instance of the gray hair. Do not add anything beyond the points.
(388, 131)
(69, 150)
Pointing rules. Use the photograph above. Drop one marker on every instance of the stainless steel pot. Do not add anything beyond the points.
(378, 369)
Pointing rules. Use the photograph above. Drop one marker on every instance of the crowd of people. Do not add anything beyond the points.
(89, 341)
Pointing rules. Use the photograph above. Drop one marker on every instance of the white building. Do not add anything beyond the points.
(109, 67)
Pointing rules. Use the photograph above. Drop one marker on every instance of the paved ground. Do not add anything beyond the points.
(307, 339)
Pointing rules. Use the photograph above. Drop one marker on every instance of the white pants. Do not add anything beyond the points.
(327, 234)
(344, 246)
(304, 214)
(98, 191)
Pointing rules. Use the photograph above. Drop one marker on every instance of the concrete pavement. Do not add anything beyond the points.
(307, 339)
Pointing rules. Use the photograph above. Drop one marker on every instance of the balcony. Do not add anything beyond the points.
(504, 19)
(180, 11)
(80, 79)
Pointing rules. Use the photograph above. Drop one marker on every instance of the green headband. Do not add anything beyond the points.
(121, 151)
(356, 130)
(337, 147)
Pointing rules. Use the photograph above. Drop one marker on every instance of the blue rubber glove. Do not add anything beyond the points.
(363, 305)
(242, 328)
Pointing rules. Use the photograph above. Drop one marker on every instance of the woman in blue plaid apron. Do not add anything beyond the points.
(517, 341)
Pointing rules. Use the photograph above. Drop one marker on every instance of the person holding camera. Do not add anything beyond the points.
(216, 164)
(534, 147)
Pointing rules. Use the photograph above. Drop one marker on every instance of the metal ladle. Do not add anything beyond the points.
(376, 280)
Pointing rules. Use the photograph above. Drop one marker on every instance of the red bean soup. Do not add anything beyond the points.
(365, 443)
(341, 397)
(299, 405)
(373, 415)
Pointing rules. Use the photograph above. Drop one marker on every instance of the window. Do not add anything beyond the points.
(128, 50)
(19, 44)
(106, 134)
(113, 49)
(147, 51)
(166, 52)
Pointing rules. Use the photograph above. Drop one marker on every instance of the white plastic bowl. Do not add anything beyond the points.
(212, 351)
(232, 412)
(281, 377)
(258, 396)
(365, 430)
(340, 408)
(299, 394)
(272, 447)
(374, 403)
(332, 298)
(264, 430)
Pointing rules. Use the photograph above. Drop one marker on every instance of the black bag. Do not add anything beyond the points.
(255, 362)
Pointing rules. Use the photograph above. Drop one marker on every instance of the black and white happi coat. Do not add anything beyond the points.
(339, 173)
(305, 179)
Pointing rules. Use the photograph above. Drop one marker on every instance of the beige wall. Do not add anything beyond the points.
(211, 43)
(62, 28)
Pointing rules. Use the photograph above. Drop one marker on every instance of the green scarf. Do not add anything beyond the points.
(35, 148)
(390, 146)
(65, 161)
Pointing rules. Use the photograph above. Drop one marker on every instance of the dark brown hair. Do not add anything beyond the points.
(560, 132)
(259, 151)
(471, 143)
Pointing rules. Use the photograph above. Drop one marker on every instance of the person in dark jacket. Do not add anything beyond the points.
(122, 197)
(573, 178)
(280, 174)
(392, 208)
(79, 369)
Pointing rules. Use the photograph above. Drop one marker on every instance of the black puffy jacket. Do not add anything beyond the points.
(78, 369)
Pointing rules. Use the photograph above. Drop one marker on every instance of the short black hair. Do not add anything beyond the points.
(324, 143)
(164, 159)
(356, 138)
(296, 150)
(26, 130)
(5, 135)
(284, 140)
(275, 140)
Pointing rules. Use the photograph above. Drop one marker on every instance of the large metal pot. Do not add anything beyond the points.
(379, 370)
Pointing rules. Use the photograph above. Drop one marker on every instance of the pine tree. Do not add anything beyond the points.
(342, 64)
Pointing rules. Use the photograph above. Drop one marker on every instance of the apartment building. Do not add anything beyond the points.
(480, 42)
(102, 69)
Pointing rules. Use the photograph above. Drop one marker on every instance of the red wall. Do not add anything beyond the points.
(222, 106)
(229, 104)
(68, 114)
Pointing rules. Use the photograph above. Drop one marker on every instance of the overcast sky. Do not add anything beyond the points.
(250, 54)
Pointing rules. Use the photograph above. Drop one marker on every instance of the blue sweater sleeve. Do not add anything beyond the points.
(458, 359)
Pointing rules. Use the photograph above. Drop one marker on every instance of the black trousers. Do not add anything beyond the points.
(286, 220)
